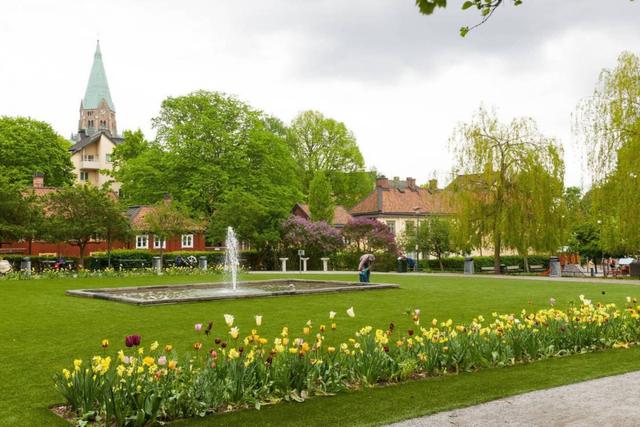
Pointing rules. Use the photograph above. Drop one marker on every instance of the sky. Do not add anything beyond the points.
(399, 80)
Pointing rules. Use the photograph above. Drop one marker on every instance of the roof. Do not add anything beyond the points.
(402, 199)
(85, 140)
(137, 215)
(98, 87)
(341, 215)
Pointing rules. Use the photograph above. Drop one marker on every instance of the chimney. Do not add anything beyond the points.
(38, 180)
(411, 183)
(382, 182)
(433, 184)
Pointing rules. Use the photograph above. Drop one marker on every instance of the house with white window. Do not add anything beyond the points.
(192, 240)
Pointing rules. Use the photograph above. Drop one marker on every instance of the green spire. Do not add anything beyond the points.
(97, 88)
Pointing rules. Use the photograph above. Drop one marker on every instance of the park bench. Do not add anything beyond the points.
(487, 270)
(513, 269)
(538, 268)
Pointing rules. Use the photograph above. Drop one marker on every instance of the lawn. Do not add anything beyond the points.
(42, 330)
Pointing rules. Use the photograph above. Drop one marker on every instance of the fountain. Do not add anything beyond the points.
(171, 294)
(231, 259)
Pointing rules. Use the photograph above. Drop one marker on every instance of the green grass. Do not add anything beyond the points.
(42, 331)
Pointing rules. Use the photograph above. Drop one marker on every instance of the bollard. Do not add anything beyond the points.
(25, 265)
(202, 263)
(284, 263)
(554, 267)
(468, 266)
(304, 263)
(325, 264)
(156, 264)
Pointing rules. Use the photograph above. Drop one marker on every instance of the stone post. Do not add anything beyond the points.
(468, 266)
(156, 264)
(304, 263)
(25, 265)
(554, 267)
(325, 264)
(202, 263)
(284, 263)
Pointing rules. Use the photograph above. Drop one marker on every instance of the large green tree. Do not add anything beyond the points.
(322, 144)
(499, 199)
(433, 236)
(213, 150)
(608, 123)
(28, 146)
(321, 203)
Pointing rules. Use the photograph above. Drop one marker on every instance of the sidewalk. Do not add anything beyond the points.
(610, 401)
(468, 276)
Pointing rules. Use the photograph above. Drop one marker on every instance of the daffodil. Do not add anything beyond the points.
(234, 332)
(154, 345)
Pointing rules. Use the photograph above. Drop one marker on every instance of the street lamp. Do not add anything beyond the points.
(417, 212)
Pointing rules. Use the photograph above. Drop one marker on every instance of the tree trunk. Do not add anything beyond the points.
(30, 246)
(496, 255)
(440, 262)
(109, 250)
(82, 247)
(526, 263)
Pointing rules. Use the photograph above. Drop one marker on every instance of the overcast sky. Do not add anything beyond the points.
(399, 80)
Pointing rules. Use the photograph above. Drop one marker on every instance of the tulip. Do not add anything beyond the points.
(162, 360)
(208, 330)
(258, 320)
(234, 332)
(217, 341)
(332, 314)
(197, 346)
(213, 354)
(132, 340)
(351, 312)
(104, 343)
(228, 320)
(198, 327)
(168, 348)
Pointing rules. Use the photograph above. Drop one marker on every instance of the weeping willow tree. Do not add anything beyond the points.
(509, 190)
(608, 125)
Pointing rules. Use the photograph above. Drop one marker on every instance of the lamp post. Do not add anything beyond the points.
(417, 212)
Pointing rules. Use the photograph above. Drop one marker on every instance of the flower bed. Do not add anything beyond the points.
(228, 370)
(110, 272)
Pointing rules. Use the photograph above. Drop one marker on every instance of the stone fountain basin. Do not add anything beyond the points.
(173, 294)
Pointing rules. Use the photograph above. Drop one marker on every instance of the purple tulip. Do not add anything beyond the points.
(198, 326)
(132, 340)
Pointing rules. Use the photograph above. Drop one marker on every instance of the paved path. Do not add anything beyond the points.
(611, 401)
(470, 277)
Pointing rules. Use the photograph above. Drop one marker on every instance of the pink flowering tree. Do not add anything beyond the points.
(316, 238)
(369, 235)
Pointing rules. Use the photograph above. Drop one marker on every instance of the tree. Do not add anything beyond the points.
(609, 126)
(432, 237)
(116, 225)
(502, 163)
(12, 207)
(76, 214)
(166, 220)
(369, 235)
(212, 150)
(321, 203)
(322, 144)
(28, 146)
(317, 238)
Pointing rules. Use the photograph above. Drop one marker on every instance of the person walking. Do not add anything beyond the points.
(366, 261)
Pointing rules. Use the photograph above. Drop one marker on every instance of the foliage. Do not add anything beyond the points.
(222, 160)
(610, 117)
(369, 235)
(29, 146)
(433, 236)
(166, 219)
(348, 260)
(486, 8)
(20, 215)
(322, 144)
(510, 193)
(316, 238)
(154, 384)
(78, 215)
(321, 203)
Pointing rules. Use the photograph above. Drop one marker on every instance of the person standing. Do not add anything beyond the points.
(366, 261)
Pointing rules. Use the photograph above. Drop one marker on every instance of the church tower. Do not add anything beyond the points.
(97, 112)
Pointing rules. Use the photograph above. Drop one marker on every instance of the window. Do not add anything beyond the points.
(159, 243)
(107, 157)
(392, 226)
(84, 176)
(142, 241)
(88, 158)
(187, 240)
(90, 123)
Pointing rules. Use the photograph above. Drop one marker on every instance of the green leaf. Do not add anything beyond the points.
(467, 5)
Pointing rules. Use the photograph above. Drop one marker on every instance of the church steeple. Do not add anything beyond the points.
(97, 111)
